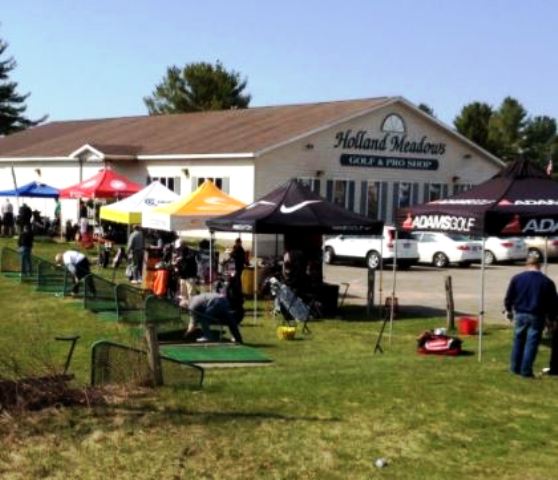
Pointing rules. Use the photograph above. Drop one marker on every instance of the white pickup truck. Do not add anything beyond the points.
(371, 249)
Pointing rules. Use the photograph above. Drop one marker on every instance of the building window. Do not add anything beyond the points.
(393, 123)
(172, 183)
(404, 196)
(373, 200)
(222, 183)
(313, 184)
(434, 191)
(340, 192)
(461, 187)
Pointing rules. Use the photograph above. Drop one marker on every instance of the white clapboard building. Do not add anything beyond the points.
(371, 155)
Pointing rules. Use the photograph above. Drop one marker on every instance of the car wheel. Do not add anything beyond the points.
(535, 253)
(373, 260)
(440, 260)
(329, 255)
(489, 258)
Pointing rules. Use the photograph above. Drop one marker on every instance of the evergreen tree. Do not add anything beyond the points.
(198, 87)
(473, 122)
(12, 104)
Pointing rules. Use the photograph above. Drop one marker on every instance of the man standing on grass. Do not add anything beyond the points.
(135, 248)
(531, 299)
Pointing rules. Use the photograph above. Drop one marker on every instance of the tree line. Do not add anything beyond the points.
(507, 131)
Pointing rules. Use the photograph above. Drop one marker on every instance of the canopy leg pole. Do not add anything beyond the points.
(210, 261)
(255, 242)
(381, 282)
(393, 283)
(545, 255)
(481, 312)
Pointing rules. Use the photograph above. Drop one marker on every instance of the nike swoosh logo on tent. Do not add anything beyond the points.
(298, 206)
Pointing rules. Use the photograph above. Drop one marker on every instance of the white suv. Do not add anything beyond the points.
(372, 250)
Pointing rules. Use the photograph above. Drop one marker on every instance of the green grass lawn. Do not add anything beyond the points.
(325, 409)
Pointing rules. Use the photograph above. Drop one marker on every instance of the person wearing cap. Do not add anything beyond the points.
(77, 264)
(530, 300)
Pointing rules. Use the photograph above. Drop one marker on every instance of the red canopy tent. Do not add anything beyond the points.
(105, 184)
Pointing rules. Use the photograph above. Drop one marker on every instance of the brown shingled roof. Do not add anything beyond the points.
(217, 132)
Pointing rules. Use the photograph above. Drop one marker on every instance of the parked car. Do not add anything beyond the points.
(441, 249)
(373, 249)
(535, 247)
(504, 249)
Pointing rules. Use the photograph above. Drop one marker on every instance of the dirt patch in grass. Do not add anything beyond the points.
(37, 393)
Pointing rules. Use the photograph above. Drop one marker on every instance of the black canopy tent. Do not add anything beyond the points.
(292, 209)
(521, 200)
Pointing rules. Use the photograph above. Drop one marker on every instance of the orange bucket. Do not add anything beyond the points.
(467, 325)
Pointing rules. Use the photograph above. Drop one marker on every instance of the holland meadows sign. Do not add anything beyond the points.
(388, 143)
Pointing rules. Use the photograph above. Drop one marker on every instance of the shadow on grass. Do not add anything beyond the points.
(176, 414)
(358, 313)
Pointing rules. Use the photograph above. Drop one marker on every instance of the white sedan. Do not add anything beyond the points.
(504, 250)
(441, 249)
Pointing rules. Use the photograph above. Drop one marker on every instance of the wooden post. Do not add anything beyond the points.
(153, 357)
(370, 294)
(450, 313)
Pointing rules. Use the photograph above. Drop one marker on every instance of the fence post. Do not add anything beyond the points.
(153, 357)
(450, 313)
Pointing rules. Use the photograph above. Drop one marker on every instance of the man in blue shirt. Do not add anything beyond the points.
(532, 298)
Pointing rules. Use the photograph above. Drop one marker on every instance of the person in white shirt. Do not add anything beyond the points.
(77, 264)
(8, 218)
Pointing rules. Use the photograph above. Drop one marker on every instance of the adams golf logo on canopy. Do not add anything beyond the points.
(535, 225)
(450, 223)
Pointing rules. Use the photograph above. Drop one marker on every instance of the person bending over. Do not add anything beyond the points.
(207, 307)
(77, 264)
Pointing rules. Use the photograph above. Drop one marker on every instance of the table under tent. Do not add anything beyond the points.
(519, 201)
(301, 216)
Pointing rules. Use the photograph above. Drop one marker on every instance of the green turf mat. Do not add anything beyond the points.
(214, 354)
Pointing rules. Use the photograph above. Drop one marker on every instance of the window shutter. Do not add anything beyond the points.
(329, 190)
(194, 183)
(351, 204)
(414, 197)
(177, 185)
(363, 197)
(444, 191)
(395, 198)
(383, 203)
(225, 182)
(317, 186)
(425, 192)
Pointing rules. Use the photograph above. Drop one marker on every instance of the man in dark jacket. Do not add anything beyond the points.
(530, 300)
(25, 244)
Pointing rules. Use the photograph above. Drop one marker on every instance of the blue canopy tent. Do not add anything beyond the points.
(33, 189)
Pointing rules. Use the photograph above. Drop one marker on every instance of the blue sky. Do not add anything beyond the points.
(87, 59)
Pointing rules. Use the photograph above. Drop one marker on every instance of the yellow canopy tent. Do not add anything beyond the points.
(191, 212)
(131, 209)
